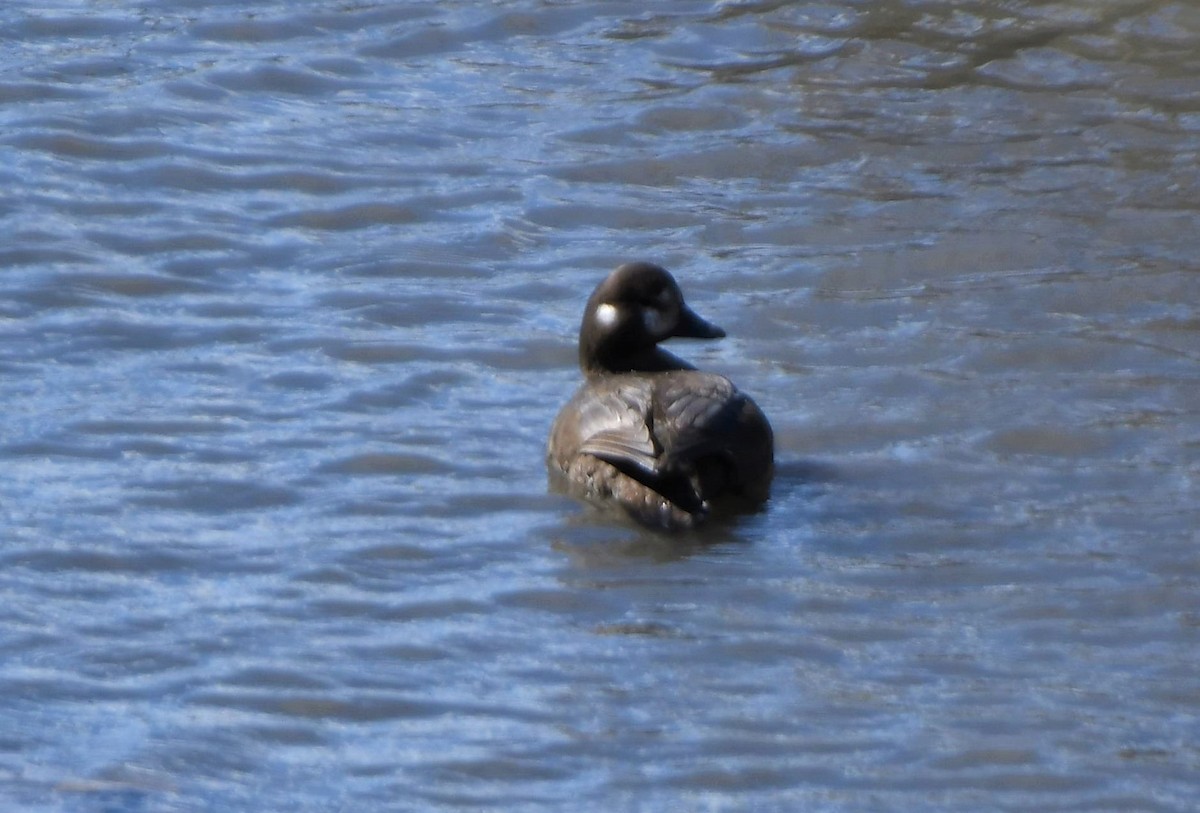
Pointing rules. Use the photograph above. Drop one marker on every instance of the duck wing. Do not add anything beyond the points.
(659, 424)
(695, 415)
(614, 424)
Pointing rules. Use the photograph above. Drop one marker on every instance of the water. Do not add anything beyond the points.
(287, 304)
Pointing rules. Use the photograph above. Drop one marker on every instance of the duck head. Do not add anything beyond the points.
(629, 313)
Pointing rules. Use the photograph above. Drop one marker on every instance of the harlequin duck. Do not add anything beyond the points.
(647, 431)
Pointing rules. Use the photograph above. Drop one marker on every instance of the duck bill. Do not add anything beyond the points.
(693, 326)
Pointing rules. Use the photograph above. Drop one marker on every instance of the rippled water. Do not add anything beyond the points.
(287, 303)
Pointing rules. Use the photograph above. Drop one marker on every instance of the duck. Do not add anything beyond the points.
(647, 432)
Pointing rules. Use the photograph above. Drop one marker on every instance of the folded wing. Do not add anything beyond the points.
(660, 426)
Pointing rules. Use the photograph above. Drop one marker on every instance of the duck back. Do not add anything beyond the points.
(664, 446)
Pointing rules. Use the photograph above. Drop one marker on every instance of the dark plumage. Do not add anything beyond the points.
(647, 430)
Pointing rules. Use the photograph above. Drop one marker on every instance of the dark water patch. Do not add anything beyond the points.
(102, 561)
(130, 284)
(495, 505)
(593, 544)
(367, 19)
(553, 601)
(767, 163)
(153, 427)
(254, 29)
(608, 217)
(276, 78)
(188, 175)
(415, 308)
(396, 504)
(534, 354)
(214, 496)
(509, 769)
(45, 448)
(392, 553)
(109, 208)
(263, 677)
(12, 92)
(429, 40)
(228, 269)
(87, 69)
(383, 352)
(1046, 71)
(338, 66)
(744, 67)
(229, 307)
(73, 26)
(70, 145)
(353, 216)
(442, 264)
(441, 39)
(152, 121)
(409, 611)
(1057, 441)
(418, 388)
(134, 662)
(301, 380)
(196, 91)
(691, 119)
(380, 464)
(135, 335)
(301, 735)
(649, 629)
(165, 241)
(292, 704)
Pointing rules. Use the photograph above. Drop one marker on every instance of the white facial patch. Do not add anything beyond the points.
(606, 315)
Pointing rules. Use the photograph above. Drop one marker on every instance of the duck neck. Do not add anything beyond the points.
(594, 361)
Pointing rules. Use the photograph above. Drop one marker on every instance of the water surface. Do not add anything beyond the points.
(287, 303)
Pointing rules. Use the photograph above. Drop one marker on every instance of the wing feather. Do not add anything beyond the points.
(695, 410)
(659, 425)
(614, 425)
